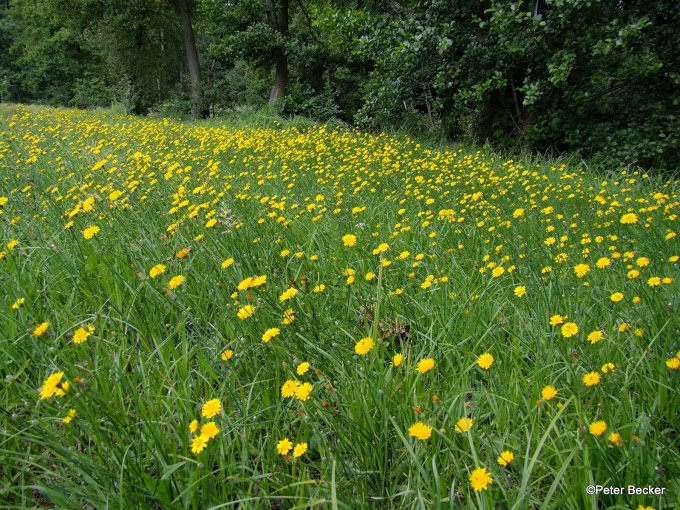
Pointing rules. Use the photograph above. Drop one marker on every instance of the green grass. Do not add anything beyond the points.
(154, 359)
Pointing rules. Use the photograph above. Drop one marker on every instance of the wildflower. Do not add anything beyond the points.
(198, 444)
(382, 248)
(12, 244)
(227, 355)
(245, 312)
(654, 281)
(69, 417)
(497, 271)
(595, 336)
(349, 240)
(284, 446)
(591, 379)
(288, 294)
(176, 281)
(156, 270)
(603, 262)
(302, 368)
(629, 218)
(288, 316)
(369, 276)
(581, 270)
(548, 393)
(299, 450)
(182, 254)
(397, 359)
(319, 288)
(569, 329)
(420, 431)
(667, 280)
(616, 297)
(18, 303)
(480, 479)
(90, 232)
(642, 262)
(632, 274)
(624, 327)
(463, 425)
(209, 430)
(518, 213)
(211, 223)
(598, 428)
(556, 320)
(228, 262)
(193, 426)
(303, 391)
(269, 334)
(284, 253)
(615, 439)
(520, 291)
(485, 361)
(51, 385)
(81, 334)
(289, 387)
(211, 408)
(425, 365)
(608, 367)
(41, 329)
(505, 458)
(673, 363)
(364, 346)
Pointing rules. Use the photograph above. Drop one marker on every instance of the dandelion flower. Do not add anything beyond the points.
(463, 425)
(397, 359)
(505, 458)
(319, 288)
(603, 262)
(629, 218)
(615, 438)
(425, 365)
(90, 232)
(198, 444)
(211, 408)
(227, 355)
(654, 281)
(595, 336)
(420, 431)
(176, 281)
(349, 240)
(209, 430)
(302, 368)
(193, 426)
(41, 329)
(548, 393)
(50, 386)
(616, 297)
(591, 379)
(182, 254)
(303, 391)
(299, 450)
(569, 329)
(520, 291)
(228, 262)
(288, 388)
(608, 367)
(269, 334)
(81, 334)
(581, 270)
(288, 316)
(364, 346)
(288, 294)
(485, 361)
(245, 312)
(480, 479)
(69, 417)
(284, 446)
(598, 428)
(17, 303)
(156, 270)
(673, 363)
(556, 319)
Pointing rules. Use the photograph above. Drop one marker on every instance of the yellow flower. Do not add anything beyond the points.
(90, 232)
(198, 444)
(617, 296)
(673, 363)
(288, 294)
(303, 391)
(364, 346)
(425, 365)
(176, 281)
(182, 254)
(591, 379)
(603, 262)
(18, 303)
(520, 291)
(369, 276)
(227, 355)
(556, 320)
(420, 431)
(518, 213)
(228, 262)
(463, 425)
(211, 223)
(569, 329)
(193, 426)
(299, 450)
(269, 334)
(156, 270)
(497, 271)
(548, 393)
(349, 240)
(302, 368)
(382, 248)
(485, 360)
(319, 288)
(209, 430)
(284, 446)
(81, 334)
(629, 218)
(397, 359)
(581, 270)
(615, 439)
(505, 458)
(595, 336)
(289, 388)
(41, 329)
(211, 408)
(598, 428)
(642, 262)
(608, 367)
(12, 244)
(245, 312)
(69, 417)
(654, 281)
(50, 386)
(285, 253)
(288, 316)
(480, 479)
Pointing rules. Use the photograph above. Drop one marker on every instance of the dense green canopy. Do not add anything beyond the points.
(601, 77)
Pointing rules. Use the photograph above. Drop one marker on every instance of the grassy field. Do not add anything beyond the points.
(292, 317)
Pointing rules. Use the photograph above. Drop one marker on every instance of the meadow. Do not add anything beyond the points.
(296, 316)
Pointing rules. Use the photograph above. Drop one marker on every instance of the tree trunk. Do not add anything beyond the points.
(192, 54)
(279, 23)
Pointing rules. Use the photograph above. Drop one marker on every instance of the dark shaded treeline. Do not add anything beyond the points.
(597, 76)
